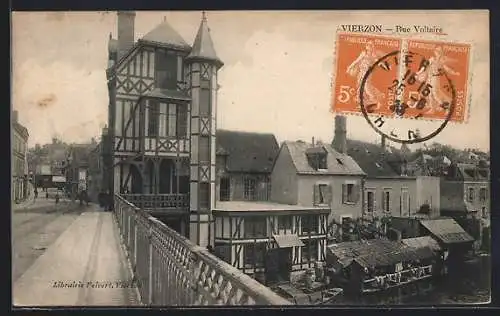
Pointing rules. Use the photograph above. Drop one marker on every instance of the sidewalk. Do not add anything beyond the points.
(85, 266)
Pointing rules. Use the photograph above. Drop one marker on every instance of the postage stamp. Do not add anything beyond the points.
(356, 53)
(416, 66)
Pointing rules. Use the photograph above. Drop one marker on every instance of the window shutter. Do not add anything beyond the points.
(316, 194)
(344, 193)
(329, 194)
(383, 201)
(356, 193)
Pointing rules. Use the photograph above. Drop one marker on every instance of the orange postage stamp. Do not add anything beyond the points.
(445, 63)
(356, 53)
(422, 76)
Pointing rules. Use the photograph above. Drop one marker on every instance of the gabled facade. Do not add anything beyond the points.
(244, 163)
(162, 123)
(317, 175)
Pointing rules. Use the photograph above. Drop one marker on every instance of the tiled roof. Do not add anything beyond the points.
(247, 152)
(374, 161)
(337, 163)
(421, 242)
(447, 230)
(203, 46)
(377, 252)
(165, 35)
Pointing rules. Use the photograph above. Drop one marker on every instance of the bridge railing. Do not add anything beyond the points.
(158, 201)
(172, 271)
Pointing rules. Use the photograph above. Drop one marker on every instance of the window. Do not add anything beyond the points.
(318, 161)
(322, 194)
(484, 212)
(255, 227)
(182, 118)
(370, 201)
(153, 118)
(204, 154)
(350, 193)
(386, 201)
(254, 255)
(309, 224)
(285, 223)
(166, 70)
(172, 120)
(225, 186)
(249, 193)
(204, 196)
(309, 250)
(483, 196)
(405, 202)
(471, 195)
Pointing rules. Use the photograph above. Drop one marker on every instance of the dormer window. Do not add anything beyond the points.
(317, 158)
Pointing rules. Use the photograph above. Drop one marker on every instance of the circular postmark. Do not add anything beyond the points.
(408, 68)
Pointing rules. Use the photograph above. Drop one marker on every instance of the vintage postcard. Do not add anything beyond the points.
(250, 158)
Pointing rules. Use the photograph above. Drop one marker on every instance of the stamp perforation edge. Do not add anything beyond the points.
(468, 101)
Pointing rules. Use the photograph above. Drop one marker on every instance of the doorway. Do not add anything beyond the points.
(278, 265)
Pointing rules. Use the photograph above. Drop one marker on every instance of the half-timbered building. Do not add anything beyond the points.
(271, 242)
(162, 109)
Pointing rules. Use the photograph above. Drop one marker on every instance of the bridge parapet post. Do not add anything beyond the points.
(172, 271)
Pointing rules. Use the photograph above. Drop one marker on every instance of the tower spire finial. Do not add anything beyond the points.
(203, 16)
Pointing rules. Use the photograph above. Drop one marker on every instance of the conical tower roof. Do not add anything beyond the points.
(166, 35)
(203, 46)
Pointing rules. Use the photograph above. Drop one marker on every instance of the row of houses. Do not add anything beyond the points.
(269, 209)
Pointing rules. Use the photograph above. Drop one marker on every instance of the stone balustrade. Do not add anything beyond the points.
(172, 271)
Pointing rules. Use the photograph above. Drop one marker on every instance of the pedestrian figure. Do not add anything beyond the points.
(57, 197)
(36, 193)
(47, 194)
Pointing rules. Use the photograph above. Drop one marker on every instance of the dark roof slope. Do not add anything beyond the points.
(247, 152)
(373, 160)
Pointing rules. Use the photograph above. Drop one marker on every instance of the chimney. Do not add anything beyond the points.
(312, 141)
(15, 116)
(126, 21)
(383, 142)
(340, 137)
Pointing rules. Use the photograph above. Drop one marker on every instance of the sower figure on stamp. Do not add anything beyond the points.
(358, 69)
(432, 74)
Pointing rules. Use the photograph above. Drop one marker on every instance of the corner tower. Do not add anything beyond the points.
(202, 66)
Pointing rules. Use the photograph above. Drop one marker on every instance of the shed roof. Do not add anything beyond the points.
(337, 163)
(246, 151)
(422, 242)
(377, 252)
(447, 230)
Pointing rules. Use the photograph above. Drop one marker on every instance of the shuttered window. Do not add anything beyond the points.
(322, 194)
(386, 201)
(350, 193)
(405, 202)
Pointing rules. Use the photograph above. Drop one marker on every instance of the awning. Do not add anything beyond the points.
(288, 241)
(447, 230)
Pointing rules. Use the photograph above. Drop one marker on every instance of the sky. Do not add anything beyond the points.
(276, 78)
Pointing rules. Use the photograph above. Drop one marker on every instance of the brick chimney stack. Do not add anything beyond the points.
(126, 38)
(340, 137)
(383, 142)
